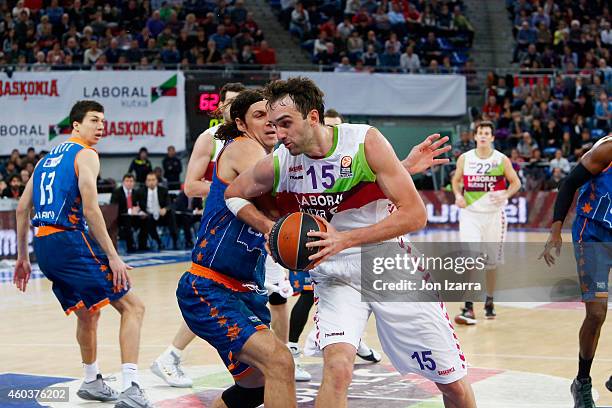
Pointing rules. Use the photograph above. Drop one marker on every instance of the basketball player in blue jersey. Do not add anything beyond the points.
(86, 274)
(592, 236)
(197, 184)
(222, 296)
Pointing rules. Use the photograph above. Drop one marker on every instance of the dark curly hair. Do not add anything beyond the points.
(304, 93)
(240, 106)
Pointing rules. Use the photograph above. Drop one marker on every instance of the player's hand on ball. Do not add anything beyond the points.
(330, 242)
(22, 273)
(120, 275)
(554, 241)
(460, 201)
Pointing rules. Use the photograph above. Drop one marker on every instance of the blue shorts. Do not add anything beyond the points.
(593, 251)
(78, 268)
(226, 318)
(300, 281)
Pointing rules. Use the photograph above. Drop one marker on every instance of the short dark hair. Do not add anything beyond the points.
(127, 176)
(483, 124)
(80, 109)
(152, 173)
(240, 107)
(230, 87)
(304, 93)
(332, 113)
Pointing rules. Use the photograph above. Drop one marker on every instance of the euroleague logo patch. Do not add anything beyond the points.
(345, 167)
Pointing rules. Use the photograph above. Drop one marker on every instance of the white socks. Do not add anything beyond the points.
(129, 373)
(363, 348)
(167, 354)
(91, 371)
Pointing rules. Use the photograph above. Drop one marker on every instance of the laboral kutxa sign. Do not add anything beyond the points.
(142, 108)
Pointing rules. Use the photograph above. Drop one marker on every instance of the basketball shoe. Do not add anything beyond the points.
(581, 391)
(489, 309)
(300, 373)
(368, 354)
(609, 384)
(97, 390)
(467, 315)
(168, 368)
(133, 397)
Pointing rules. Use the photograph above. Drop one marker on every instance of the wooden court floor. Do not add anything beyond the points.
(36, 337)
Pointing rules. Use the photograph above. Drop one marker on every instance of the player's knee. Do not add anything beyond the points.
(88, 319)
(132, 306)
(596, 317)
(280, 362)
(339, 370)
(455, 391)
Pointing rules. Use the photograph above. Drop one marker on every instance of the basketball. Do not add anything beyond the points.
(288, 239)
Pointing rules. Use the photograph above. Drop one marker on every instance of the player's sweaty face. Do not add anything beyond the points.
(259, 125)
(92, 127)
(291, 127)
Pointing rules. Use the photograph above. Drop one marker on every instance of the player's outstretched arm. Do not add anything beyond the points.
(88, 167)
(23, 269)
(195, 186)
(397, 185)
(590, 166)
(427, 154)
(252, 183)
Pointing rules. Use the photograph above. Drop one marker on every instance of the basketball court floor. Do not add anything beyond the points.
(526, 358)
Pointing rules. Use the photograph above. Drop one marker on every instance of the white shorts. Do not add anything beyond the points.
(274, 273)
(485, 227)
(418, 337)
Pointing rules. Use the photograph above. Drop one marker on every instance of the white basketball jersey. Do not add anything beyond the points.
(339, 187)
(218, 145)
(480, 178)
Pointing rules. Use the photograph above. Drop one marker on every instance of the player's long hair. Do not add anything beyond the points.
(240, 106)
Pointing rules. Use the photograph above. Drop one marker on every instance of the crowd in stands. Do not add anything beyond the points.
(144, 34)
(385, 35)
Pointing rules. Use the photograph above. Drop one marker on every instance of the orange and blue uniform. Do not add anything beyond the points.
(592, 235)
(300, 281)
(66, 254)
(222, 296)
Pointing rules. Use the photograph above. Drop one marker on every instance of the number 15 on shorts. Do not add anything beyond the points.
(424, 359)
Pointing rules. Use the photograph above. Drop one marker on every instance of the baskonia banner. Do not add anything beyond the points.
(142, 108)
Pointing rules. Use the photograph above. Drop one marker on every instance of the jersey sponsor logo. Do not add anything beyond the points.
(292, 177)
(295, 169)
(345, 167)
(334, 334)
(322, 204)
(53, 161)
(446, 372)
(26, 89)
(484, 183)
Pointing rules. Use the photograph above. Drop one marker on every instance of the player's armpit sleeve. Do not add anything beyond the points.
(577, 177)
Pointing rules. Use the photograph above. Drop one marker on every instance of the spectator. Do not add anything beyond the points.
(390, 59)
(127, 209)
(534, 171)
(529, 110)
(552, 184)
(560, 162)
(355, 46)
(370, 58)
(300, 21)
(526, 35)
(265, 55)
(3, 187)
(30, 158)
(141, 166)
(603, 112)
(153, 200)
(462, 24)
(329, 56)
(172, 168)
(155, 25)
(188, 212)
(464, 144)
(552, 134)
(409, 61)
(491, 108)
(566, 112)
(92, 54)
(238, 13)
(159, 173)
(24, 176)
(526, 146)
(211, 55)
(15, 187)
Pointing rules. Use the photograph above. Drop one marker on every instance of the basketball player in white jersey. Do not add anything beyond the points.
(197, 184)
(483, 171)
(357, 172)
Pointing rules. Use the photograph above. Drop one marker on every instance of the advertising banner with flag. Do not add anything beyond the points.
(142, 108)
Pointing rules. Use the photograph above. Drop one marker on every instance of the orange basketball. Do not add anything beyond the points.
(288, 240)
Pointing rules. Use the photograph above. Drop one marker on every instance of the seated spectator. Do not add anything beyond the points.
(329, 56)
(159, 173)
(531, 57)
(345, 28)
(552, 184)
(188, 212)
(300, 21)
(211, 55)
(30, 157)
(586, 142)
(128, 221)
(396, 18)
(15, 187)
(529, 110)
(535, 171)
(462, 24)
(464, 144)
(141, 165)
(526, 146)
(355, 46)
(516, 159)
(344, 66)
(491, 108)
(390, 59)
(153, 201)
(410, 62)
(370, 58)
(560, 162)
(24, 176)
(265, 55)
(431, 48)
(603, 112)
(526, 35)
(155, 25)
(221, 39)
(92, 54)
(566, 112)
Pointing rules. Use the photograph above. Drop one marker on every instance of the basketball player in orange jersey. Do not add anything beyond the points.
(416, 337)
(86, 274)
(197, 184)
(592, 235)
(483, 171)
